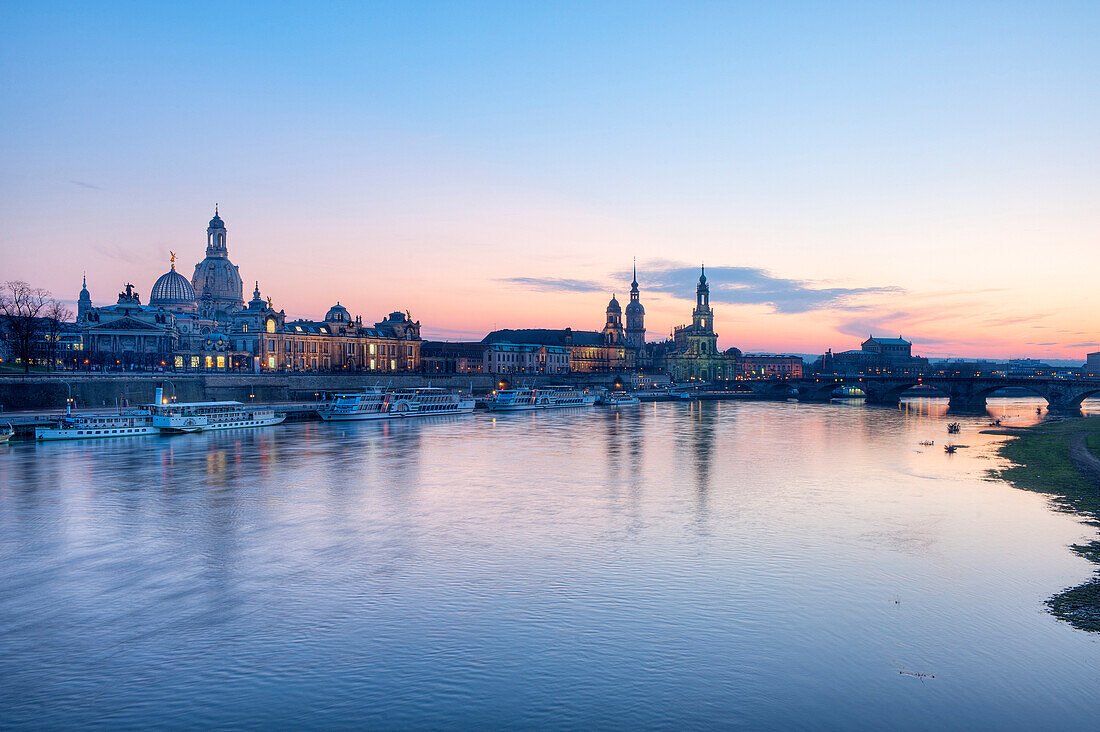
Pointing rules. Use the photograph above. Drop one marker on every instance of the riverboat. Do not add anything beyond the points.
(203, 416)
(129, 423)
(388, 404)
(618, 399)
(547, 397)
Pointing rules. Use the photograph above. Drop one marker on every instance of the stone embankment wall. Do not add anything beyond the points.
(39, 391)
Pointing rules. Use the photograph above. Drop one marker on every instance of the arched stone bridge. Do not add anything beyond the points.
(965, 392)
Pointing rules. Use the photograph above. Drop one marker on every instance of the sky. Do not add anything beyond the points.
(930, 170)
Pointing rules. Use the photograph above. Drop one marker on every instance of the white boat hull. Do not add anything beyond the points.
(235, 425)
(394, 414)
(56, 433)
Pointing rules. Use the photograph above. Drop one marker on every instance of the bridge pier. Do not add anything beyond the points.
(965, 403)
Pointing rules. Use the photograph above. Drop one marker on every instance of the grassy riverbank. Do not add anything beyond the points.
(1059, 459)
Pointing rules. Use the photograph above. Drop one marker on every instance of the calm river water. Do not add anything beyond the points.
(724, 564)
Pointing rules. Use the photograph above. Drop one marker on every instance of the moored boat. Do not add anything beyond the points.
(7, 434)
(203, 416)
(547, 397)
(376, 403)
(618, 399)
(128, 423)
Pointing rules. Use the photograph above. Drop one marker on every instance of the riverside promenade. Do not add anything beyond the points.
(51, 391)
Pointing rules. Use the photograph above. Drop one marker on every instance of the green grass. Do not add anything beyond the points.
(1040, 462)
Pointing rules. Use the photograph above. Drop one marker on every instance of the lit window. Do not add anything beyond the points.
(179, 362)
(271, 326)
(372, 360)
(194, 362)
(221, 362)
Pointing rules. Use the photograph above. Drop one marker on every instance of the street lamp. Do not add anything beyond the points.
(69, 398)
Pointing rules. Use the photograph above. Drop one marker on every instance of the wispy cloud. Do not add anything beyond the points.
(554, 284)
(82, 184)
(753, 286)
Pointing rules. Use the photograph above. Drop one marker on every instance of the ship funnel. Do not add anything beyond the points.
(159, 399)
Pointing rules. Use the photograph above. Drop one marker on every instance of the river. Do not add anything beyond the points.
(734, 564)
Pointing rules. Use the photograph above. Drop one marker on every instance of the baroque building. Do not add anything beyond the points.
(203, 324)
(635, 320)
(217, 283)
(692, 351)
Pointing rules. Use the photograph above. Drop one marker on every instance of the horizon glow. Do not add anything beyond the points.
(929, 171)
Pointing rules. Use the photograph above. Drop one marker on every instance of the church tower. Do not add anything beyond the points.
(703, 316)
(635, 317)
(216, 282)
(84, 302)
(613, 329)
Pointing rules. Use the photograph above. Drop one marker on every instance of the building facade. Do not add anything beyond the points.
(1092, 363)
(692, 352)
(203, 324)
(769, 366)
(875, 356)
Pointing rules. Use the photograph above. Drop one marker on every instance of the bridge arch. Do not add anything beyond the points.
(820, 391)
(892, 393)
(982, 394)
(1075, 400)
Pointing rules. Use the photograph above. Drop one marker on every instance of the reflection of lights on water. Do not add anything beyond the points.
(215, 462)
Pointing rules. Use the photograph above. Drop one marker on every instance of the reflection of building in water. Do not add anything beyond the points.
(695, 445)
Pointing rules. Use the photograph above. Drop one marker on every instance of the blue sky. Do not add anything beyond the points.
(938, 165)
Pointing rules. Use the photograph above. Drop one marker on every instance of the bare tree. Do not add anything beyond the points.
(21, 308)
(54, 317)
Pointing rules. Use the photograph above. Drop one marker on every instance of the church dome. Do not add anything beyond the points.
(216, 222)
(337, 314)
(635, 307)
(172, 291)
(613, 306)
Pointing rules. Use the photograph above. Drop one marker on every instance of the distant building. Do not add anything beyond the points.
(525, 358)
(443, 357)
(876, 356)
(203, 324)
(1092, 363)
(635, 321)
(589, 351)
(768, 366)
(1029, 367)
(692, 352)
(891, 349)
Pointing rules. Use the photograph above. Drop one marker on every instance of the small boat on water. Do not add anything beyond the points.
(376, 403)
(547, 397)
(618, 399)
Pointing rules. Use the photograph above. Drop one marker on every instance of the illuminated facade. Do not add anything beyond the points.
(692, 351)
(204, 325)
